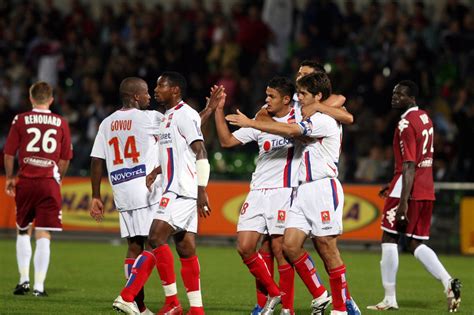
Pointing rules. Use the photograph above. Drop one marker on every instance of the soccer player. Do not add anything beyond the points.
(185, 168)
(410, 197)
(265, 209)
(314, 214)
(332, 106)
(126, 141)
(43, 142)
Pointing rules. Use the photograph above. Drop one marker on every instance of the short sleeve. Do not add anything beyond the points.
(155, 120)
(318, 126)
(13, 139)
(66, 145)
(98, 149)
(246, 135)
(407, 141)
(189, 126)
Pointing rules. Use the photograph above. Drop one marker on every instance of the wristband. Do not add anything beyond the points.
(203, 170)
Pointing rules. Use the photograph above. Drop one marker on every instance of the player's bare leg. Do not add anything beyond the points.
(247, 247)
(388, 270)
(429, 259)
(23, 256)
(287, 275)
(293, 241)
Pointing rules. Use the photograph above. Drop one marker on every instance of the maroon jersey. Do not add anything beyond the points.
(41, 139)
(413, 141)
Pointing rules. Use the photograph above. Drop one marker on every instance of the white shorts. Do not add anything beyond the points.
(136, 222)
(265, 211)
(179, 212)
(318, 207)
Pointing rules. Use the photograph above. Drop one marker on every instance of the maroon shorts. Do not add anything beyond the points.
(419, 218)
(38, 200)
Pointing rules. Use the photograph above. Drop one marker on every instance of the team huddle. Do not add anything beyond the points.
(158, 169)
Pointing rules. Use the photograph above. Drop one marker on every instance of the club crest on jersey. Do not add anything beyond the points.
(164, 202)
(403, 124)
(126, 174)
(325, 217)
(281, 215)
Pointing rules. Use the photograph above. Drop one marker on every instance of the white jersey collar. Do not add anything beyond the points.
(411, 109)
(41, 110)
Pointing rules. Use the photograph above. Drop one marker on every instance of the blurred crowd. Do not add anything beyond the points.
(365, 51)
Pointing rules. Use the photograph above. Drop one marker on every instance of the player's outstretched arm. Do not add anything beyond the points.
(226, 139)
(277, 128)
(97, 207)
(9, 161)
(202, 174)
(263, 115)
(212, 102)
(333, 106)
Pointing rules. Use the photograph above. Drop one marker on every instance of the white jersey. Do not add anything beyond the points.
(127, 141)
(278, 158)
(180, 127)
(321, 157)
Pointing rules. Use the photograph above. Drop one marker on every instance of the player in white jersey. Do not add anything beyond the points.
(126, 141)
(314, 214)
(271, 193)
(185, 170)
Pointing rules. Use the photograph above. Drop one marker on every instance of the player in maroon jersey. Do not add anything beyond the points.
(409, 199)
(43, 143)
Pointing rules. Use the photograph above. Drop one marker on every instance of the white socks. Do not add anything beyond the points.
(389, 268)
(430, 260)
(41, 262)
(23, 256)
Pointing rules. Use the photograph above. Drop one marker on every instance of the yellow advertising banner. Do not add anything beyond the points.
(467, 227)
(362, 209)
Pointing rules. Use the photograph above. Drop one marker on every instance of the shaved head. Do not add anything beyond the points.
(131, 91)
(129, 87)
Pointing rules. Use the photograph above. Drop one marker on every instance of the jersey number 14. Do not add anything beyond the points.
(129, 152)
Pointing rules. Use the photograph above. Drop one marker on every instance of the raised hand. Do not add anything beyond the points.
(239, 119)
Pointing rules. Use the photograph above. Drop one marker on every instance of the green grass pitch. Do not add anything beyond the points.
(85, 278)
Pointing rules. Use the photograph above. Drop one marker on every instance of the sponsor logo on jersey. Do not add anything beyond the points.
(428, 162)
(281, 215)
(165, 138)
(277, 143)
(126, 174)
(164, 202)
(325, 217)
(38, 161)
